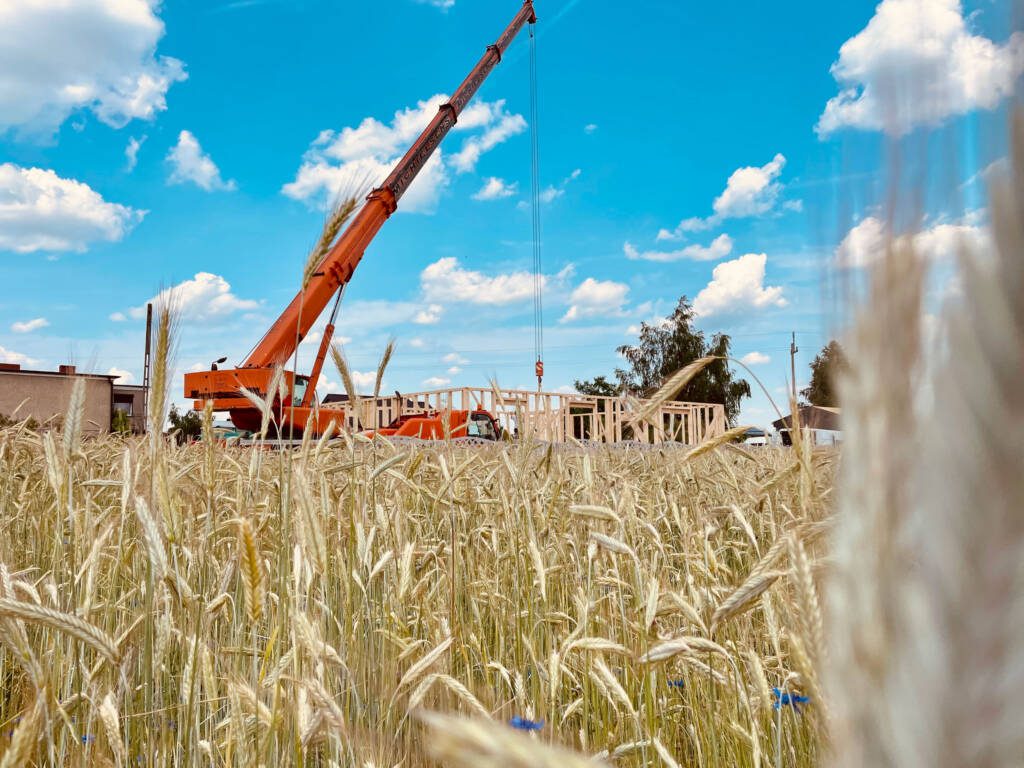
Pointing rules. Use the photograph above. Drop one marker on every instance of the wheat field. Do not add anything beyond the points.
(361, 603)
(341, 603)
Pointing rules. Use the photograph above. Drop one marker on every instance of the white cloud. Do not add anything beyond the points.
(692, 224)
(190, 164)
(863, 244)
(995, 170)
(436, 382)
(30, 325)
(58, 56)
(755, 358)
(205, 297)
(417, 343)
(454, 358)
(496, 189)
(917, 63)
(504, 127)
(446, 280)
(360, 319)
(590, 128)
(749, 191)
(945, 241)
(325, 386)
(429, 315)
(131, 152)
(40, 211)
(118, 317)
(737, 285)
(596, 298)
(123, 376)
(364, 381)
(866, 242)
(454, 370)
(444, 5)
(10, 356)
(719, 248)
(356, 157)
(551, 193)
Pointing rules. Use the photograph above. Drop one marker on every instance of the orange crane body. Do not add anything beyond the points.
(438, 426)
(335, 270)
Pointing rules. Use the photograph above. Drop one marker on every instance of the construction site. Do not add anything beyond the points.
(263, 382)
(484, 413)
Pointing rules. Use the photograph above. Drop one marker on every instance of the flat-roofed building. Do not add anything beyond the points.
(45, 396)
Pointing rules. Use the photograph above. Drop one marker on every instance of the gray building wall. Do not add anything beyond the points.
(45, 396)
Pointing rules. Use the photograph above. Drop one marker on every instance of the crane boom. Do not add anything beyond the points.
(336, 268)
(295, 406)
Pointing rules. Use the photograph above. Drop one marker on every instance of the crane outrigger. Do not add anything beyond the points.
(297, 408)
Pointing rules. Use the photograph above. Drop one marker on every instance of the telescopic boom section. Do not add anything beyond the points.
(340, 262)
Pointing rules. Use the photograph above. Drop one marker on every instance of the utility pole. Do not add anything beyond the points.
(792, 365)
(146, 363)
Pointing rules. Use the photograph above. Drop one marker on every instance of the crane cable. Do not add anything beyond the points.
(538, 276)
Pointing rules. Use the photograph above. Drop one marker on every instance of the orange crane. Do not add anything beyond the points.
(296, 409)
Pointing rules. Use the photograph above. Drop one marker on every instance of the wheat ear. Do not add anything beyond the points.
(81, 630)
(251, 570)
(485, 744)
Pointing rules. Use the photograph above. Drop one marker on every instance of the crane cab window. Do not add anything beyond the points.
(299, 390)
(480, 425)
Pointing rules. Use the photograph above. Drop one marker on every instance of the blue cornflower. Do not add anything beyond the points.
(88, 738)
(677, 683)
(522, 724)
(790, 699)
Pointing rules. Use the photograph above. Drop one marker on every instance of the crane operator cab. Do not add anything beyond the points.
(299, 390)
(483, 426)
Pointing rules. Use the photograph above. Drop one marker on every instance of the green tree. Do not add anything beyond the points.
(120, 423)
(666, 347)
(188, 425)
(598, 386)
(826, 368)
(30, 424)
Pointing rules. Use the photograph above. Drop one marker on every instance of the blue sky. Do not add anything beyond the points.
(735, 153)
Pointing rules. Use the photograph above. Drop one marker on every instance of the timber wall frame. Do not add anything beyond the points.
(548, 416)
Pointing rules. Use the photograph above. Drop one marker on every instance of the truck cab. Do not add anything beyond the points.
(431, 426)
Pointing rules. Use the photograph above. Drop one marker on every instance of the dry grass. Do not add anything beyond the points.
(188, 605)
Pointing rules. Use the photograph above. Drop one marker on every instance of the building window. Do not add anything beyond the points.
(124, 403)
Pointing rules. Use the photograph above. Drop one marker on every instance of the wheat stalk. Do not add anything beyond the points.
(673, 384)
(25, 736)
(81, 630)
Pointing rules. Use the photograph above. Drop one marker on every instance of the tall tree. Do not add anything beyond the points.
(187, 426)
(599, 386)
(826, 368)
(668, 346)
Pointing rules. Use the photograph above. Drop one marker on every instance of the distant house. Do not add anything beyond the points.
(45, 395)
(824, 424)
